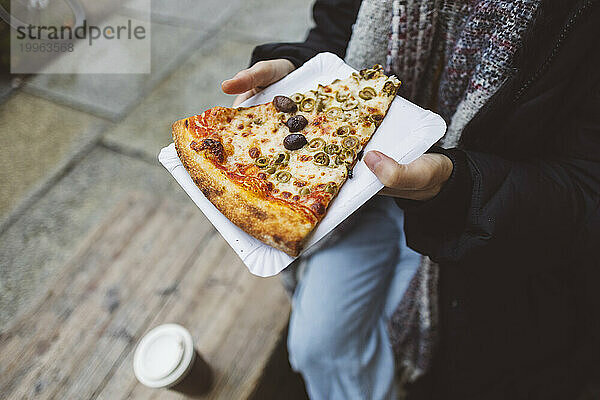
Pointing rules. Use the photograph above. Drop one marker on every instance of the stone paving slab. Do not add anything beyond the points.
(195, 14)
(38, 137)
(194, 87)
(40, 240)
(37, 245)
(99, 9)
(6, 87)
(113, 95)
(273, 21)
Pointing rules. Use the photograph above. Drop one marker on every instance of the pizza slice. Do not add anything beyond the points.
(273, 169)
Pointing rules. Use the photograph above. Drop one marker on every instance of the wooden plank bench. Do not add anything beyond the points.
(150, 262)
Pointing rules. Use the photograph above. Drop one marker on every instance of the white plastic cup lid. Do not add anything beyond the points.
(164, 356)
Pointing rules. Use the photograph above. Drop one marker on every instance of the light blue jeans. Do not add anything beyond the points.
(338, 339)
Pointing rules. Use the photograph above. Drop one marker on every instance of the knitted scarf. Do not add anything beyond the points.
(452, 56)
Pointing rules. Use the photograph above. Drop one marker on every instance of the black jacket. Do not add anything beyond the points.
(515, 228)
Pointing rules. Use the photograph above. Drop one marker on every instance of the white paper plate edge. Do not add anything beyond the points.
(250, 249)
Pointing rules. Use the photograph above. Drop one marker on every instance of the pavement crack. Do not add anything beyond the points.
(127, 151)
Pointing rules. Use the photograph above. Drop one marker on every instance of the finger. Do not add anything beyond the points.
(260, 74)
(399, 176)
(387, 191)
(407, 194)
(243, 97)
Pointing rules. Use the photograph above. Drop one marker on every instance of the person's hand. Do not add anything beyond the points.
(248, 82)
(422, 179)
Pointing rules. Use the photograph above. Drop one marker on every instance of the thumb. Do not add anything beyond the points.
(388, 171)
(259, 74)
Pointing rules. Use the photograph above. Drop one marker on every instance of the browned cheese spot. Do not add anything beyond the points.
(214, 148)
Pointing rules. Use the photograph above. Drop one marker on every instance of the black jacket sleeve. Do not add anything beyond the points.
(527, 182)
(332, 30)
(491, 204)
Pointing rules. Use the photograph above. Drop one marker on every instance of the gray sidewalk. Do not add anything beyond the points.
(72, 146)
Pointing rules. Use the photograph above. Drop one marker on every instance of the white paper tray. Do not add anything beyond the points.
(406, 132)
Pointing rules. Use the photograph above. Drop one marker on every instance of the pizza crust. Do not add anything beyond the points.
(272, 222)
(284, 191)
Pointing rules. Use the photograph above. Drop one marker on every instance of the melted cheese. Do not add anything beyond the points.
(262, 127)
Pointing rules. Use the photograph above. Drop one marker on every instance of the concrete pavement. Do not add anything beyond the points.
(96, 137)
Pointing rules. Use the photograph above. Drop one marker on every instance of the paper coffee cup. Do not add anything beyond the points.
(165, 358)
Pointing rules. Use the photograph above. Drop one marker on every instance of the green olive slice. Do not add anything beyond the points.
(321, 158)
(368, 73)
(343, 131)
(261, 161)
(332, 148)
(297, 97)
(271, 169)
(367, 93)
(341, 97)
(283, 176)
(320, 105)
(351, 104)
(304, 191)
(331, 188)
(346, 156)
(350, 142)
(389, 88)
(350, 115)
(281, 159)
(307, 105)
(316, 144)
(334, 113)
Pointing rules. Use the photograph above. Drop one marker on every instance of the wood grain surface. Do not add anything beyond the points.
(150, 262)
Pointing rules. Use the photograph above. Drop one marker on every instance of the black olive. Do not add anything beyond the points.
(284, 104)
(294, 141)
(296, 123)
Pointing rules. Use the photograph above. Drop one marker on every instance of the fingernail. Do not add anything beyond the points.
(372, 158)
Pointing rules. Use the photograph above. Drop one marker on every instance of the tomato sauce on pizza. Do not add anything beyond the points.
(273, 169)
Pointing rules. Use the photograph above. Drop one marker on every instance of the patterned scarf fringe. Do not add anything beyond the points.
(468, 47)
